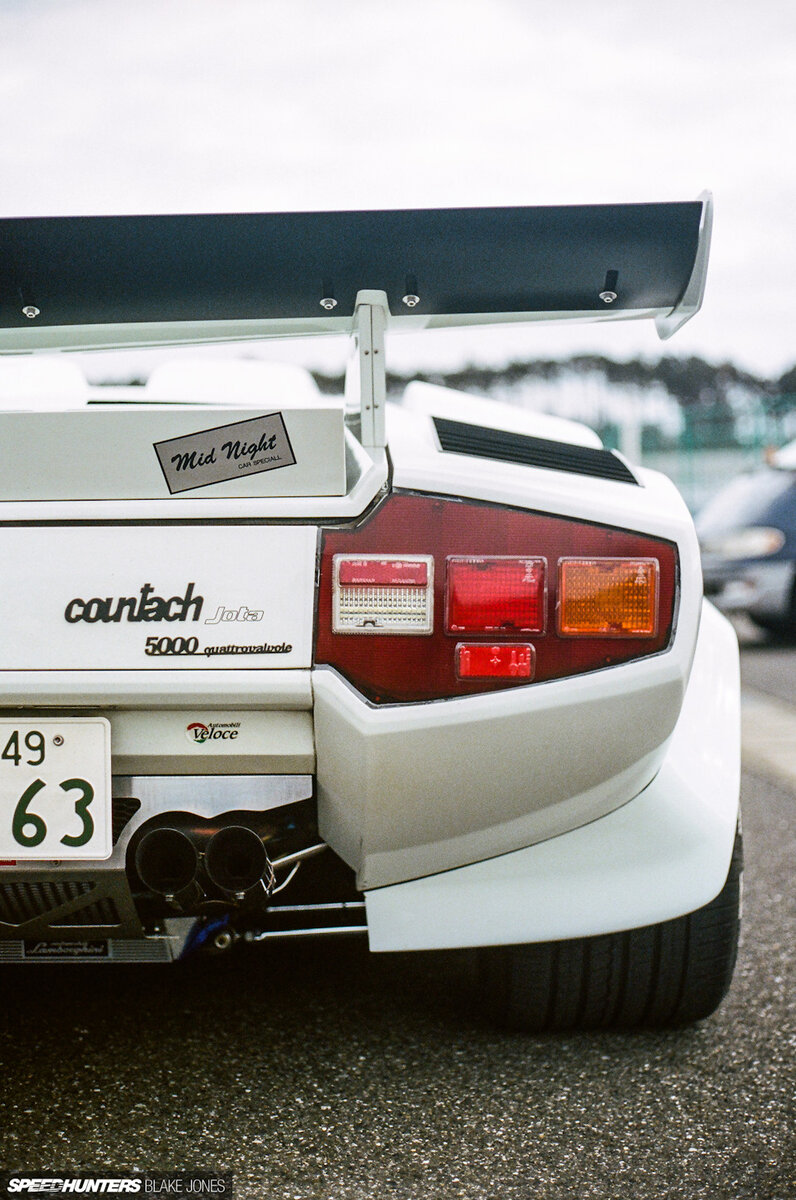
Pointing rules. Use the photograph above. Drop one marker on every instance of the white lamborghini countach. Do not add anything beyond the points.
(276, 664)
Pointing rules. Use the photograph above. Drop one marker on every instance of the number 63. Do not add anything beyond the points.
(22, 817)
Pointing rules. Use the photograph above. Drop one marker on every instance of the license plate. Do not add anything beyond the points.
(55, 793)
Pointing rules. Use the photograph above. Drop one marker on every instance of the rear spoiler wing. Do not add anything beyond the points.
(78, 283)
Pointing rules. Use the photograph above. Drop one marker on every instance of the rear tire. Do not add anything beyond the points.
(660, 975)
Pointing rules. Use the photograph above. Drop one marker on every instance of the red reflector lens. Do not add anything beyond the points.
(486, 595)
(475, 660)
(384, 572)
(608, 597)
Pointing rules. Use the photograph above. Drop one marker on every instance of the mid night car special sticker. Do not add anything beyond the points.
(225, 452)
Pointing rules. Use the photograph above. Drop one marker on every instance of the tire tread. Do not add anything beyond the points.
(670, 973)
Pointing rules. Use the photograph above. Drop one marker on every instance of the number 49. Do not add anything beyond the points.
(33, 742)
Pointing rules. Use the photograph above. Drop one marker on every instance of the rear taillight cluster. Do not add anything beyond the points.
(432, 598)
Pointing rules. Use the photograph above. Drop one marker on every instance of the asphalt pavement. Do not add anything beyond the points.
(768, 664)
(768, 703)
(320, 1072)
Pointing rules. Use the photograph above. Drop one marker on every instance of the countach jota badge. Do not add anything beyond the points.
(146, 606)
(235, 614)
(226, 452)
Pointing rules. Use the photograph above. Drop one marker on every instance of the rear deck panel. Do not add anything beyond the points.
(156, 598)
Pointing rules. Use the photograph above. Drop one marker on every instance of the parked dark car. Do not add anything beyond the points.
(747, 534)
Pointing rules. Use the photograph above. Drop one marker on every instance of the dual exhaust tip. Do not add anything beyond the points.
(235, 861)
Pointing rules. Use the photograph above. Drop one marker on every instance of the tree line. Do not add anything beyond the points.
(692, 381)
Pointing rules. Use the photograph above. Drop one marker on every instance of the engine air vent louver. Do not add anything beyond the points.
(22, 901)
(100, 912)
(457, 437)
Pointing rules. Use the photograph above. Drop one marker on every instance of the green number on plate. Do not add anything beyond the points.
(34, 741)
(11, 751)
(22, 818)
(81, 808)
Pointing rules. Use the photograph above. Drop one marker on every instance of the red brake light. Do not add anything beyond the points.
(505, 661)
(485, 595)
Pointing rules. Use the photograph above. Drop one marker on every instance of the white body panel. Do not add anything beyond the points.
(243, 688)
(663, 854)
(235, 743)
(656, 507)
(428, 398)
(241, 586)
(409, 790)
(365, 473)
(108, 452)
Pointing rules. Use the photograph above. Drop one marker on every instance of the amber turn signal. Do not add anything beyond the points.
(608, 597)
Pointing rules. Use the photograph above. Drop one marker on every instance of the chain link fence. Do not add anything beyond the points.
(712, 447)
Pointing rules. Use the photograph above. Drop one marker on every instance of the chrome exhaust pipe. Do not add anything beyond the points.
(236, 861)
(167, 863)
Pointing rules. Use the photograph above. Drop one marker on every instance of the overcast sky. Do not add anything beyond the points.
(262, 105)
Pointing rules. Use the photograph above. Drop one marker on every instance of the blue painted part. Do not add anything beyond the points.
(201, 931)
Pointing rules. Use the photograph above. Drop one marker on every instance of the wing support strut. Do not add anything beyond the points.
(366, 375)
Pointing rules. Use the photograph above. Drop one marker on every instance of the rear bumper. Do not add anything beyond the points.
(411, 790)
(665, 853)
(624, 825)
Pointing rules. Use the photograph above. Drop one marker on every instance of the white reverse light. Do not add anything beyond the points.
(374, 593)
